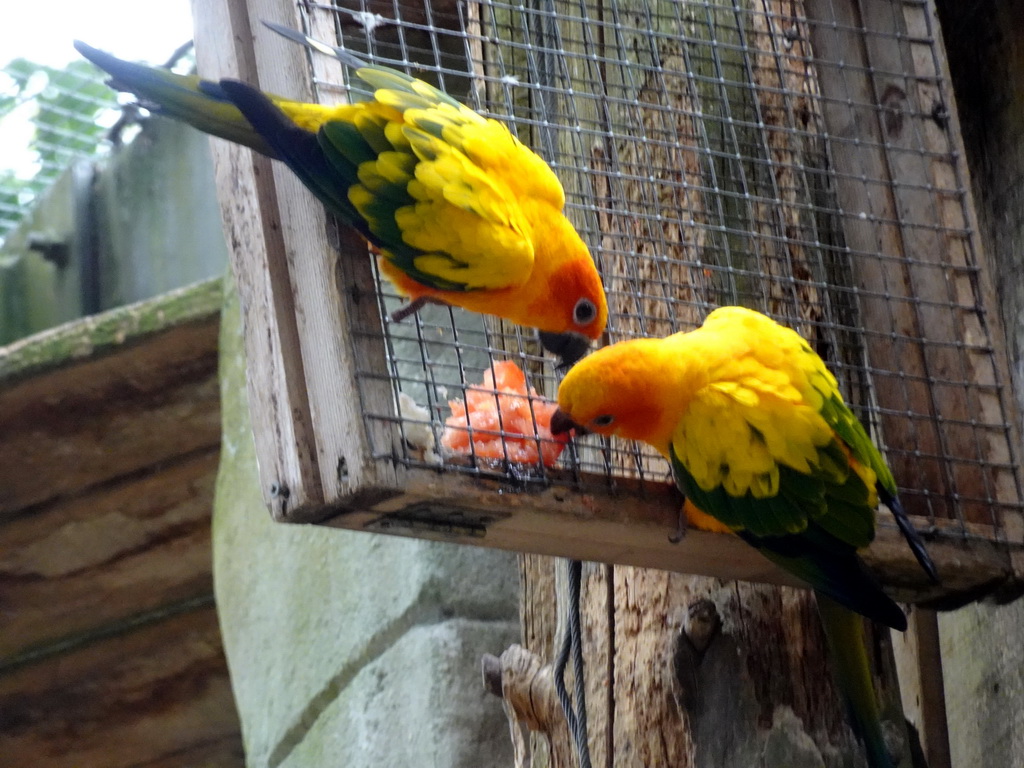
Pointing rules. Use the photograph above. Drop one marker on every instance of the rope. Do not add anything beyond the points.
(572, 641)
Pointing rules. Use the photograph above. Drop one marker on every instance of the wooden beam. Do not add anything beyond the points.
(108, 458)
(310, 435)
(102, 556)
(156, 695)
(246, 183)
(919, 666)
(108, 396)
(631, 525)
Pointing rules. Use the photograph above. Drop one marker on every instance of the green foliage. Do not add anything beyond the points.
(10, 192)
(64, 124)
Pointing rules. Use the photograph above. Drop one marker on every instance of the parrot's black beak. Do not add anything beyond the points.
(561, 424)
(569, 346)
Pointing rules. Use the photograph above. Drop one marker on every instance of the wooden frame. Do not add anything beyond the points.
(307, 436)
(875, 53)
(312, 440)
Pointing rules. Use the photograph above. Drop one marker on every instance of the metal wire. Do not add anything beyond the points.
(59, 110)
(572, 645)
(712, 155)
(73, 114)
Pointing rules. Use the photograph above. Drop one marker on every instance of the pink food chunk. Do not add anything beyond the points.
(502, 420)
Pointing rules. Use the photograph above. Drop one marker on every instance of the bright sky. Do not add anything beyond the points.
(130, 29)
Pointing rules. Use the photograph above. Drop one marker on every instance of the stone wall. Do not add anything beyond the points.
(351, 649)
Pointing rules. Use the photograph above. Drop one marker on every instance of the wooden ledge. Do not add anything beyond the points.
(109, 332)
(632, 526)
(109, 395)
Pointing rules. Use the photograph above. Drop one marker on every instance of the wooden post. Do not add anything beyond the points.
(311, 438)
(919, 666)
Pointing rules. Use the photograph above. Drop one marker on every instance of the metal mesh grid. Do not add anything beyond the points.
(61, 115)
(710, 157)
(64, 114)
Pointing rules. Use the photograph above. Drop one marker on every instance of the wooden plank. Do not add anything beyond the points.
(108, 396)
(146, 697)
(108, 458)
(285, 443)
(220, 752)
(97, 558)
(310, 270)
(874, 237)
(631, 526)
(338, 296)
(947, 264)
(98, 335)
(919, 665)
(311, 441)
(995, 398)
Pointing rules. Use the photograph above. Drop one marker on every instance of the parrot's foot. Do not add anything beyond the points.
(910, 533)
(413, 307)
(682, 523)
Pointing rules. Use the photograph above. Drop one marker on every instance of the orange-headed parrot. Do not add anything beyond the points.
(460, 211)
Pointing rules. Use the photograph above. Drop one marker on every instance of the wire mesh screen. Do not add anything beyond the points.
(58, 115)
(55, 116)
(799, 158)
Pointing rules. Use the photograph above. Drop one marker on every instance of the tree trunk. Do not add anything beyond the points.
(689, 671)
(684, 670)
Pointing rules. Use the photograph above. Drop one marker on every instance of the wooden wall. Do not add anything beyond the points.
(110, 651)
(982, 654)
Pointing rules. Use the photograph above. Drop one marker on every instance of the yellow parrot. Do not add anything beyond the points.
(760, 439)
(460, 211)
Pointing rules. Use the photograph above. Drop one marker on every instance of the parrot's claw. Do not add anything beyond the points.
(413, 307)
(681, 525)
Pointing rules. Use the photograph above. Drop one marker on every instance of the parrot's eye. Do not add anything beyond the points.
(584, 312)
(603, 421)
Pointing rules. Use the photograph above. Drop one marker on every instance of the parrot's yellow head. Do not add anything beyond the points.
(633, 389)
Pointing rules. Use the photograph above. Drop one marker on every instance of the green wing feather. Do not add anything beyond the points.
(814, 548)
(435, 213)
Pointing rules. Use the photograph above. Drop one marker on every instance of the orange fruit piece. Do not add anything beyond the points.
(503, 419)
